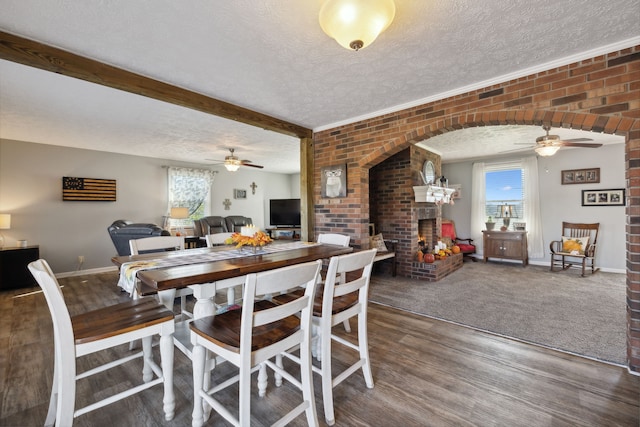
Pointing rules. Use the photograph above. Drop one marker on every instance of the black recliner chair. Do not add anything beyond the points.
(236, 222)
(210, 225)
(121, 231)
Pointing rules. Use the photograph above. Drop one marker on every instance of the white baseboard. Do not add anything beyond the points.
(84, 272)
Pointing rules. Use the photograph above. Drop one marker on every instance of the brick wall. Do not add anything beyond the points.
(600, 94)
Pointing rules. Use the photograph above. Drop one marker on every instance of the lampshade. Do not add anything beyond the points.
(179, 213)
(547, 150)
(5, 221)
(507, 211)
(355, 24)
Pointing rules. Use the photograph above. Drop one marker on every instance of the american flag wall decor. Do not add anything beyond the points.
(88, 189)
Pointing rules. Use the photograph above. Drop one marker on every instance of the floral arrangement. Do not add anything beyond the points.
(260, 238)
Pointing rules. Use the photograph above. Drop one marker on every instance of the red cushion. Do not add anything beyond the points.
(448, 230)
(466, 248)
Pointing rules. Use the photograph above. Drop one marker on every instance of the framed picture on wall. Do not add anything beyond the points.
(239, 194)
(334, 181)
(581, 176)
(603, 197)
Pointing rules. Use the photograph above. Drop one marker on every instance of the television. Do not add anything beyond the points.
(284, 212)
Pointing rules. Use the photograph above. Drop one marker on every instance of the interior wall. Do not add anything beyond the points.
(562, 202)
(31, 191)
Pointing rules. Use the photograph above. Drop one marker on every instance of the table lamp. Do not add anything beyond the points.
(5, 224)
(506, 213)
(179, 213)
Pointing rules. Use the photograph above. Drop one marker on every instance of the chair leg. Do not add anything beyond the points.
(262, 380)
(198, 355)
(347, 326)
(306, 375)
(147, 372)
(244, 413)
(276, 375)
(363, 346)
(327, 380)
(53, 400)
(66, 392)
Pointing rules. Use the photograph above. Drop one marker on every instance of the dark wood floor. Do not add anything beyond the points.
(426, 373)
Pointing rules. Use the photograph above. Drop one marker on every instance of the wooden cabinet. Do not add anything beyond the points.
(13, 267)
(506, 245)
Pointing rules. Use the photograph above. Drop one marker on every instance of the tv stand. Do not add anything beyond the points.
(284, 233)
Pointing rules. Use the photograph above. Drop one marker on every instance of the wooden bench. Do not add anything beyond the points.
(389, 254)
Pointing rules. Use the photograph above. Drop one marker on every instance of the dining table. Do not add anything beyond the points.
(208, 270)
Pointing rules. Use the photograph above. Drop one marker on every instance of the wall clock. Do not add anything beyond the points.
(428, 172)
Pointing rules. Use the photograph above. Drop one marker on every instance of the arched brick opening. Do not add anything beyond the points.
(627, 127)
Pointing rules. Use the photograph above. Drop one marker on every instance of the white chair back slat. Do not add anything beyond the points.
(156, 243)
(217, 238)
(334, 239)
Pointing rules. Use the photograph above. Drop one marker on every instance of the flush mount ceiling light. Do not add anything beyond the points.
(355, 24)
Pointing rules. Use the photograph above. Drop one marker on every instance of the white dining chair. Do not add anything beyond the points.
(341, 301)
(104, 328)
(251, 336)
(216, 239)
(339, 240)
(158, 244)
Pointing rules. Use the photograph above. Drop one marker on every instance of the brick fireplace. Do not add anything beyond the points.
(398, 216)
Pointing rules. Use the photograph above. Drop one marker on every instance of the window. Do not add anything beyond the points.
(504, 194)
(513, 182)
(191, 189)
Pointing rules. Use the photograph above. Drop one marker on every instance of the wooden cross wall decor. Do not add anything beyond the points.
(253, 187)
(227, 204)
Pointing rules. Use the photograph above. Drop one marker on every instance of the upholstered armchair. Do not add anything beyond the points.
(235, 222)
(121, 231)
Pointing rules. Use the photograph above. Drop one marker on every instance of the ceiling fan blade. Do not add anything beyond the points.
(579, 144)
(530, 147)
(577, 140)
(251, 165)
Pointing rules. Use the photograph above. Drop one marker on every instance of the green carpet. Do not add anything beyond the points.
(560, 310)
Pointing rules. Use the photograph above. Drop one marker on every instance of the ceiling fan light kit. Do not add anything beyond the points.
(355, 24)
(547, 150)
(233, 163)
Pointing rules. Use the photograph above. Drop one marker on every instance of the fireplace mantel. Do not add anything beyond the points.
(433, 194)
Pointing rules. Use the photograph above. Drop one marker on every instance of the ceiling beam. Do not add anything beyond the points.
(34, 54)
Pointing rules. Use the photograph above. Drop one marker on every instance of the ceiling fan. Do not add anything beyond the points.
(548, 145)
(232, 162)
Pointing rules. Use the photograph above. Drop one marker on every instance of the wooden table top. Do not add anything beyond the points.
(184, 275)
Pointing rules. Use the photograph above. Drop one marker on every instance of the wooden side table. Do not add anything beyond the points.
(13, 267)
(506, 245)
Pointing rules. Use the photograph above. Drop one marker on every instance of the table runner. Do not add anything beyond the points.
(129, 270)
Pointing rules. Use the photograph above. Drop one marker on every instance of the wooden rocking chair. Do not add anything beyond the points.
(577, 247)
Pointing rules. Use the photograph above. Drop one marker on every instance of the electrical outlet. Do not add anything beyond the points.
(80, 259)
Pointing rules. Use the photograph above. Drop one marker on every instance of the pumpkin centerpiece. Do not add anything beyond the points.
(455, 249)
(429, 258)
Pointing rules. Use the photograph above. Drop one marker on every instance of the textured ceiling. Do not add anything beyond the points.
(272, 57)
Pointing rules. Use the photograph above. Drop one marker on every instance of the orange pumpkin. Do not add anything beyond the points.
(455, 249)
(429, 258)
(419, 256)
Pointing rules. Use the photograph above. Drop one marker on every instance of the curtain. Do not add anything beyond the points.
(478, 210)
(188, 188)
(532, 202)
